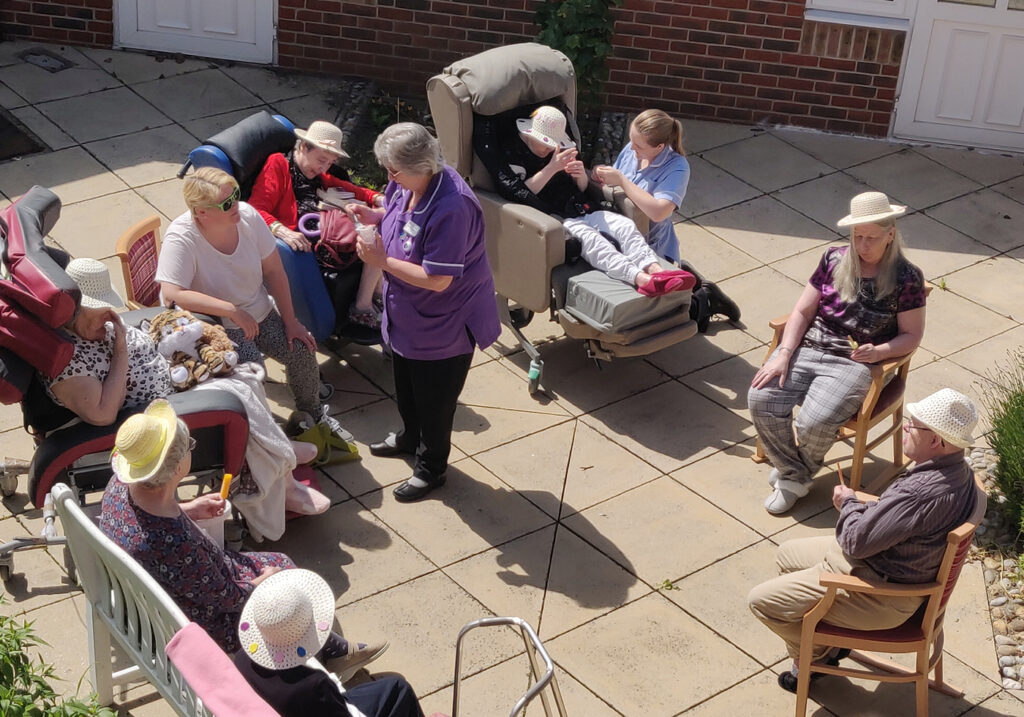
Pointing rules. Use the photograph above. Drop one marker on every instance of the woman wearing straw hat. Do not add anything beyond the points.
(285, 622)
(287, 189)
(863, 304)
(141, 513)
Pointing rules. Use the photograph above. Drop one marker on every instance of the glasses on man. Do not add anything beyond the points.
(229, 202)
(908, 424)
(191, 444)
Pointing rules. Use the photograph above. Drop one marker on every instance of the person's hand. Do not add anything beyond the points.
(866, 353)
(561, 158)
(246, 323)
(362, 213)
(777, 365)
(208, 505)
(120, 333)
(296, 240)
(609, 176)
(839, 494)
(575, 169)
(264, 574)
(371, 252)
(295, 331)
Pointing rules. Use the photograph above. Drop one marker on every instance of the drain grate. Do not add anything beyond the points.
(49, 61)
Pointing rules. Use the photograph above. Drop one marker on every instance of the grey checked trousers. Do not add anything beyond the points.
(829, 389)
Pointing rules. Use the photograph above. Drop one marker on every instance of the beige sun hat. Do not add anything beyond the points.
(870, 207)
(547, 125)
(949, 413)
(93, 279)
(325, 136)
(287, 619)
(143, 441)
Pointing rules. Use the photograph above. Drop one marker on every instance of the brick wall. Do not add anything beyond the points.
(76, 22)
(734, 60)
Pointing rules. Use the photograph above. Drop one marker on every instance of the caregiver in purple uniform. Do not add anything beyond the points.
(438, 295)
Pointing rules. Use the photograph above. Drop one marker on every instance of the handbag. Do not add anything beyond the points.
(336, 246)
(330, 449)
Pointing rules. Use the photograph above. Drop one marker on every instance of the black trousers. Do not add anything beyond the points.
(427, 392)
(385, 697)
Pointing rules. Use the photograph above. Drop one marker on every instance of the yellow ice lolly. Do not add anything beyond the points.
(853, 344)
(225, 486)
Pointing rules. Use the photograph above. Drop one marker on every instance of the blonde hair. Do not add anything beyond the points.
(847, 275)
(203, 187)
(658, 128)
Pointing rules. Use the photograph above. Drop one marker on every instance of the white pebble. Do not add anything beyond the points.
(1008, 563)
(999, 601)
(1007, 661)
(1005, 640)
(981, 530)
(1009, 684)
(1010, 672)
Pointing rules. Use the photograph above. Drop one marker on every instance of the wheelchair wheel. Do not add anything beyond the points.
(534, 374)
(520, 317)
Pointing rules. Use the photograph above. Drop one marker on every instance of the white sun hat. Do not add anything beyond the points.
(949, 413)
(871, 207)
(93, 279)
(325, 136)
(287, 619)
(547, 125)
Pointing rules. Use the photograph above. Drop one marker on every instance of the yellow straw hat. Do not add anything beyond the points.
(143, 441)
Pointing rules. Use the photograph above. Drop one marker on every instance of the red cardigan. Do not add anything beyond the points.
(273, 196)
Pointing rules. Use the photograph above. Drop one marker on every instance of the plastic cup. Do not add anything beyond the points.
(366, 232)
(214, 527)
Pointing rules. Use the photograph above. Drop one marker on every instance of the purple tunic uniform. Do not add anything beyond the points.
(444, 234)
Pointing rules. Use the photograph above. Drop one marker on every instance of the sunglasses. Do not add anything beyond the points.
(229, 202)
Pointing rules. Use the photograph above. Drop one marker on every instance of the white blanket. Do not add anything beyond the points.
(268, 453)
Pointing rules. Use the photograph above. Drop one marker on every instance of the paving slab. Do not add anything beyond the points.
(85, 228)
(766, 162)
(837, 150)
(132, 68)
(958, 323)
(701, 135)
(197, 94)
(763, 294)
(50, 134)
(716, 258)
(274, 86)
(825, 200)
(766, 229)
(933, 183)
(72, 174)
(715, 189)
(984, 167)
(993, 283)
(38, 85)
(988, 216)
(722, 341)
(10, 99)
(145, 157)
(103, 114)
(938, 249)
(757, 695)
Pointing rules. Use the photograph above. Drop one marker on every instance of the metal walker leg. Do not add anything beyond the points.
(542, 670)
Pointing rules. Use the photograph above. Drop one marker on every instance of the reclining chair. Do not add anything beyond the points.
(37, 298)
(525, 247)
(320, 297)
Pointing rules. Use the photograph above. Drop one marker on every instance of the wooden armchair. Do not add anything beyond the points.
(883, 401)
(138, 249)
(921, 634)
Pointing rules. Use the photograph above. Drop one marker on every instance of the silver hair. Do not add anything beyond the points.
(409, 147)
(848, 272)
(175, 454)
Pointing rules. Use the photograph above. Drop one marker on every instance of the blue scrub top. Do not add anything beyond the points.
(664, 178)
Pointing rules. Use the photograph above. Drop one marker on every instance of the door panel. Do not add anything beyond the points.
(962, 81)
(228, 29)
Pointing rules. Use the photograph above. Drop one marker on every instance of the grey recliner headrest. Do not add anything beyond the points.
(506, 77)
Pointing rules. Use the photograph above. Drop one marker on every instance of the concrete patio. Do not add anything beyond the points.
(620, 516)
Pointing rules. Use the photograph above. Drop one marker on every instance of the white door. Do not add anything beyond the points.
(227, 29)
(964, 77)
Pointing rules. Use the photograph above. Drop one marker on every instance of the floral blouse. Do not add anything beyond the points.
(208, 583)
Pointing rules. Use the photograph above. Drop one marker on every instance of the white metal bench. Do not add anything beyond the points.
(128, 605)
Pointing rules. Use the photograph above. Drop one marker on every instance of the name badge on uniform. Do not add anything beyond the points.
(409, 231)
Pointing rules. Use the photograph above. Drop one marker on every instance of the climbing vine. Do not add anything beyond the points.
(582, 29)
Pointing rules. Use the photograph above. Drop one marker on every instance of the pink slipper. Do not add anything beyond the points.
(659, 287)
(688, 280)
(304, 500)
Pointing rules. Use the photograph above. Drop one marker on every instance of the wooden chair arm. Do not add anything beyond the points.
(852, 583)
(778, 323)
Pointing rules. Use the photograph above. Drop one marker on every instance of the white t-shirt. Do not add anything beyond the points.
(189, 261)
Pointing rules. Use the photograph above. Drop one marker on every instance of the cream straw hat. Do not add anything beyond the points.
(870, 207)
(546, 124)
(949, 413)
(325, 136)
(287, 619)
(143, 441)
(93, 279)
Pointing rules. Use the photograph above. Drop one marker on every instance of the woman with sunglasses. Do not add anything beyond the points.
(219, 258)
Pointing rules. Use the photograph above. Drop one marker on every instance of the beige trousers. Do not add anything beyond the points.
(780, 603)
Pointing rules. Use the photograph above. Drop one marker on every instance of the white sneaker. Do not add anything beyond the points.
(785, 495)
(333, 424)
(773, 477)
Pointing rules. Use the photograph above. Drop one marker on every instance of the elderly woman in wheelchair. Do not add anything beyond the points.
(141, 513)
(863, 304)
(288, 189)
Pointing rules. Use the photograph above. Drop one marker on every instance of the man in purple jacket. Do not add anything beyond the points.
(899, 537)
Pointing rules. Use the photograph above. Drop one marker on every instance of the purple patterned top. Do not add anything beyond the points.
(867, 319)
(208, 583)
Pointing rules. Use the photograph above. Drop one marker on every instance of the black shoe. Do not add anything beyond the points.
(700, 309)
(389, 447)
(409, 493)
(720, 303)
(788, 681)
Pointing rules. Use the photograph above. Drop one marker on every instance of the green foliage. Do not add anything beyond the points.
(667, 584)
(25, 689)
(1003, 395)
(382, 112)
(582, 29)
